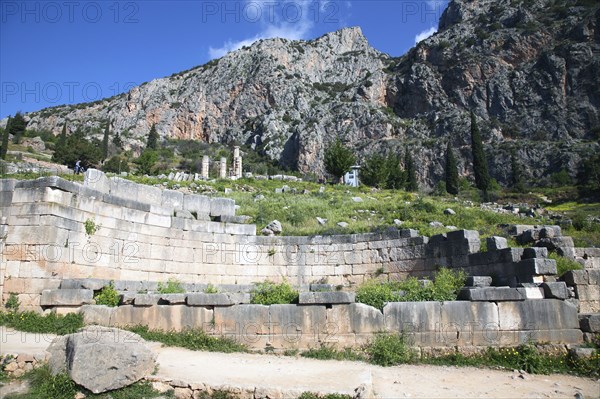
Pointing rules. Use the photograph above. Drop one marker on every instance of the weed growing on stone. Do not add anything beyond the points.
(90, 227)
(211, 289)
(444, 287)
(108, 296)
(172, 286)
(36, 323)
(269, 293)
(194, 339)
(12, 303)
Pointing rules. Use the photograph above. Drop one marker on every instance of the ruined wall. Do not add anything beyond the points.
(115, 229)
(426, 324)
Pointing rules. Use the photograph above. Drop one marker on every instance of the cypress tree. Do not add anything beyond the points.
(338, 159)
(4, 148)
(117, 141)
(17, 127)
(411, 183)
(60, 148)
(517, 173)
(105, 140)
(480, 167)
(152, 143)
(451, 171)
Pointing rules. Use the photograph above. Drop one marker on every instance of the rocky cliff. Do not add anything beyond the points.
(528, 70)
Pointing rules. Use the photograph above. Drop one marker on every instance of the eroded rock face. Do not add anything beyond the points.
(102, 359)
(527, 70)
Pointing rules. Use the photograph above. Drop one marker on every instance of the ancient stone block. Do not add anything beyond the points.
(173, 199)
(412, 316)
(535, 252)
(478, 281)
(541, 314)
(490, 294)
(222, 206)
(334, 297)
(102, 359)
(146, 299)
(589, 322)
(96, 314)
(94, 284)
(96, 180)
(556, 290)
(496, 243)
(536, 266)
(68, 297)
(575, 277)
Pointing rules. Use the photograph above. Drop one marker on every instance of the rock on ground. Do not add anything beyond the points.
(102, 359)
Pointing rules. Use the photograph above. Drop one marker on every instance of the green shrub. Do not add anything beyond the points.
(12, 303)
(564, 264)
(108, 296)
(37, 323)
(444, 287)
(376, 294)
(116, 164)
(269, 293)
(172, 286)
(389, 349)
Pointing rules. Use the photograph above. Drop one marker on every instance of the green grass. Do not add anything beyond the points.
(194, 339)
(523, 357)
(326, 352)
(44, 385)
(47, 324)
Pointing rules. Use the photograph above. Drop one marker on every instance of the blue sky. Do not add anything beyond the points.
(65, 52)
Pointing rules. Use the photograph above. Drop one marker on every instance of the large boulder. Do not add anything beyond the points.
(101, 359)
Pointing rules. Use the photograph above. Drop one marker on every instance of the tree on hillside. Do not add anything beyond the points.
(338, 159)
(452, 182)
(78, 148)
(396, 178)
(4, 148)
(17, 127)
(117, 141)
(382, 171)
(517, 173)
(411, 173)
(146, 162)
(60, 148)
(105, 140)
(480, 167)
(152, 142)
(373, 171)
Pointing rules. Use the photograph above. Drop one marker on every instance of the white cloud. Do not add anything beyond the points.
(273, 24)
(425, 34)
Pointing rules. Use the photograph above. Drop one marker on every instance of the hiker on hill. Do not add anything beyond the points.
(78, 167)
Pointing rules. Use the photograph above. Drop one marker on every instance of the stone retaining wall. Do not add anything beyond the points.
(114, 229)
(586, 288)
(427, 324)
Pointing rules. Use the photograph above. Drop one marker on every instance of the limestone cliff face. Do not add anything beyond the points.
(528, 69)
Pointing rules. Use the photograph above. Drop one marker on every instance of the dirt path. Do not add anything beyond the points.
(290, 375)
